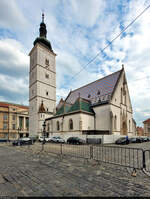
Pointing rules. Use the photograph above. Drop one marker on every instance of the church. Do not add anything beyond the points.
(102, 107)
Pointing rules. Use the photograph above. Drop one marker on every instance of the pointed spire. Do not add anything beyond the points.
(42, 30)
(43, 17)
(122, 66)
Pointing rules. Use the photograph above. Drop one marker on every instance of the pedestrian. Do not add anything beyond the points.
(127, 140)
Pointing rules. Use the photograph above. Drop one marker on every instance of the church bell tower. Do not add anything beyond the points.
(42, 82)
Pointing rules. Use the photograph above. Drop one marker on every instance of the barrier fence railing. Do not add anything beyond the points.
(123, 156)
(146, 162)
(135, 158)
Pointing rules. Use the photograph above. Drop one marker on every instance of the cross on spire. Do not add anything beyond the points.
(43, 17)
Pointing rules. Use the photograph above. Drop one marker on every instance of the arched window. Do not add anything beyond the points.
(129, 125)
(121, 95)
(58, 126)
(115, 122)
(125, 99)
(70, 124)
(48, 127)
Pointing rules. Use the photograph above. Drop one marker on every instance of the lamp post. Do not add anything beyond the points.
(18, 132)
(44, 131)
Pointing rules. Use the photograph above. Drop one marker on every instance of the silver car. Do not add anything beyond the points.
(57, 139)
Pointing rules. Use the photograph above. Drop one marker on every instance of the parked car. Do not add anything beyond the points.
(75, 140)
(144, 139)
(3, 140)
(34, 139)
(57, 139)
(41, 139)
(139, 140)
(122, 141)
(133, 140)
(148, 138)
(22, 141)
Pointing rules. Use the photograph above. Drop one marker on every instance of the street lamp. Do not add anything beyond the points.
(44, 132)
(18, 132)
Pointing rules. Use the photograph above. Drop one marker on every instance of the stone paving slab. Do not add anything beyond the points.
(45, 174)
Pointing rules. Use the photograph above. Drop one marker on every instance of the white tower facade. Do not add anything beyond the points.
(42, 82)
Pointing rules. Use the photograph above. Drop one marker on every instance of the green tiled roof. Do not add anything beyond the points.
(85, 106)
(60, 110)
(80, 104)
(74, 107)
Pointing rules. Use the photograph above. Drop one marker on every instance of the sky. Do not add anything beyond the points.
(77, 30)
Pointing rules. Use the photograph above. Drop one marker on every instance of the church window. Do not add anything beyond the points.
(70, 124)
(98, 93)
(115, 122)
(47, 109)
(46, 62)
(48, 127)
(47, 76)
(125, 98)
(58, 126)
(121, 95)
(46, 92)
(32, 91)
(129, 125)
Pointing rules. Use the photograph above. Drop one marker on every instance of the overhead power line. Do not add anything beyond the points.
(111, 42)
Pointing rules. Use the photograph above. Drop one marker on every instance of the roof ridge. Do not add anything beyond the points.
(95, 81)
(9, 103)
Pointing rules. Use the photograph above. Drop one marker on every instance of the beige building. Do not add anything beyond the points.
(14, 120)
(147, 127)
(140, 131)
(102, 107)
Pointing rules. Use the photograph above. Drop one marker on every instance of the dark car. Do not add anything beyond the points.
(133, 140)
(122, 141)
(75, 140)
(3, 140)
(139, 140)
(145, 139)
(22, 141)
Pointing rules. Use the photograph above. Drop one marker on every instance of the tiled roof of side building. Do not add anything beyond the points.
(7, 104)
(147, 121)
(100, 89)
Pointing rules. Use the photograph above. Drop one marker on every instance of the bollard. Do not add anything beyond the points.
(144, 165)
(61, 148)
(91, 152)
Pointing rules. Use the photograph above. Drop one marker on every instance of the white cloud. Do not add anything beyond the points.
(11, 16)
(12, 56)
(86, 12)
(16, 85)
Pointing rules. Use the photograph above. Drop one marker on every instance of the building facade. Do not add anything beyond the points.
(101, 107)
(140, 131)
(147, 127)
(42, 82)
(14, 121)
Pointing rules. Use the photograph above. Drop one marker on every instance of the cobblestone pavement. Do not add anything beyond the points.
(26, 172)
